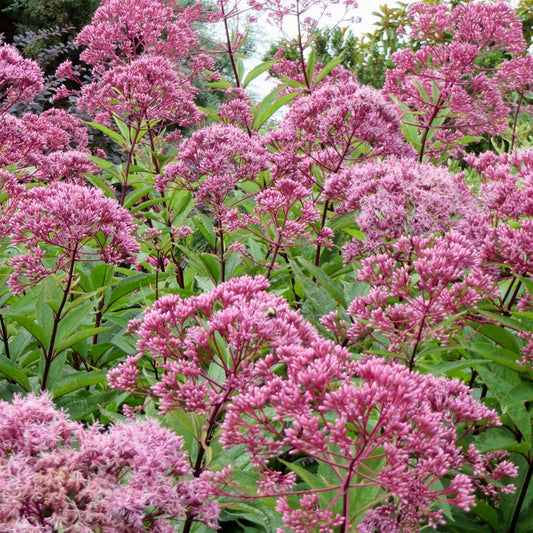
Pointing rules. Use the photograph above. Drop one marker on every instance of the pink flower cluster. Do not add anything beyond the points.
(506, 196)
(144, 55)
(20, 79)
(367, 423)
(55, 474)
(220, 333)
(336, 125)
(418, 293)
(213, 161)
(449, 82)
(71, 222)
(241, 358)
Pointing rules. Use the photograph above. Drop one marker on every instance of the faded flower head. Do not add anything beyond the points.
(393, 198)
(74, 223)
(57, 474)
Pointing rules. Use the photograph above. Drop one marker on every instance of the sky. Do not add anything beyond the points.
(266, 34)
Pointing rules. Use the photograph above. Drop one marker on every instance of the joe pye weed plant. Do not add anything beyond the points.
(320, 322)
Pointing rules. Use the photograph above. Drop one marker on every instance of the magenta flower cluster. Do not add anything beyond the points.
(71, 222)
(239, 354)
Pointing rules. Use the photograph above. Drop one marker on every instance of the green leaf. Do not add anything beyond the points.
(334, 289)
(207, 264)
(212, 114)
(310, 69)
(501, 336)
(493, 439)
(36, 331)
(518, 395)
(240, 68)
(68, 341)
(109, 132)
(14, 373)
(327, 68)
(133, 197)
(257, 71)
(269, 105)
(57, 370)
(77, 381)
(219, 84)
(82, 404)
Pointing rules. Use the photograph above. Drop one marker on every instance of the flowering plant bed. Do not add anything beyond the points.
(310, 312)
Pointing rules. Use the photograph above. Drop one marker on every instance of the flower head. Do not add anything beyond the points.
(77, 223)
(20, 79)
(130, 478)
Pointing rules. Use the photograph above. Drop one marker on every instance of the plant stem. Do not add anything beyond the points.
(301, 48)
(417, 342)
(4, 336)
(521, 497)
(322, 224)
(222, 251)
(515, 122)
(198, 468)
(128, 165)
(49, 354)
(98, 319)
(427, 127)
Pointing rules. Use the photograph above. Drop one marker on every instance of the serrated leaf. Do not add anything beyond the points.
(14, 373)
(77, 381)
(68, 341)
(334, 289)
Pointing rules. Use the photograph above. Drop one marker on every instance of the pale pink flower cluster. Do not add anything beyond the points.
(394, 197)
(45, 147)
(446, 83)
(304, 14)
(10, 191)
(147, 89)
(71, 222)
(237, 109)
(55, 474)
(123, 30)
(284, 216)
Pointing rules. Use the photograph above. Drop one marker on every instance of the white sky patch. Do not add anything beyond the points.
(263, 34)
